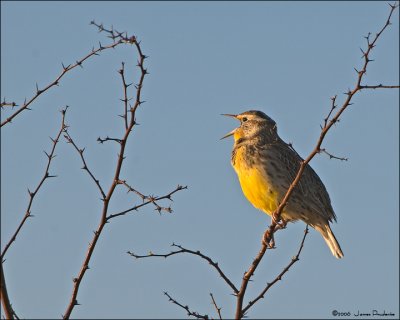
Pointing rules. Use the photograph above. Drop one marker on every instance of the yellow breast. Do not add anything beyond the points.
(255, 184)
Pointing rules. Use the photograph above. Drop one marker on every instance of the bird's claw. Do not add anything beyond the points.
(268, 240)
(279, 221)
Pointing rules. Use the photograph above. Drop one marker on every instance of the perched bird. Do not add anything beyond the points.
(266, 166)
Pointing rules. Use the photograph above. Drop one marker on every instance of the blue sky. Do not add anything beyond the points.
(205, 58)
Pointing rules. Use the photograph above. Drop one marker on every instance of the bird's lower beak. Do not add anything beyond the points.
(233, 131)
(229, 134)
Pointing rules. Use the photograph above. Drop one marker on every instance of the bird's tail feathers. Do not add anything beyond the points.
(330, 240)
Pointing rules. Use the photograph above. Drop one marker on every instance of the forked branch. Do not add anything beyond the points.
(279, 276)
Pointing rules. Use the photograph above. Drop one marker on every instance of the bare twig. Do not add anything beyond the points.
(125, 99)
(333, 107)
(152, 200)
(65, 70)
(8, 104)
(100, 140)
(189, 312)
(50, 156)
(280, 275)
(114, 34)
(130, 189)
(85, 166)
(216, 306)
(331, 156)
(379, 86)
(196, 253)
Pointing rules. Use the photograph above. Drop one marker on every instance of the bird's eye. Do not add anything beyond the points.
(244, 119)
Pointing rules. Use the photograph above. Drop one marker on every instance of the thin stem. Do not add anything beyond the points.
(216, 306)
(189, 312)
(196, 253)
(67, 136)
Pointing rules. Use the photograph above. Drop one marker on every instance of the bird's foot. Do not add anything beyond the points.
(268, 240)
(279, 221)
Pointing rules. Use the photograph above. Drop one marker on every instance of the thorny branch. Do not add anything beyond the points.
(331, 156)
(196, 253)
(50, 156)
(129, 123)
(219, 270)
(4, 103)
(379, 86)
(100, 140)
(189, 313)
(56, 82)
(151, 199)
(125, 99)
(106, 200)
(85, 166)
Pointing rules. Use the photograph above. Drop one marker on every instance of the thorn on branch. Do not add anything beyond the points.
(65, 68)
(8, 104)
(331, 156)
(38, 91)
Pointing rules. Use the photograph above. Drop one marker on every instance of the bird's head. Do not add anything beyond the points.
(253, 123)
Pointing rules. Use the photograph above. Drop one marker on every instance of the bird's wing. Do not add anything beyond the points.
(316, 197)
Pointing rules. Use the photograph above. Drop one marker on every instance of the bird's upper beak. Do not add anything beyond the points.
(233, 131)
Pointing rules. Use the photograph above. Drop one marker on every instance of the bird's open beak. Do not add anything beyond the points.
(233, 131)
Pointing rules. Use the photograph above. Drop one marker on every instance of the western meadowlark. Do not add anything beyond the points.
(266, 166)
